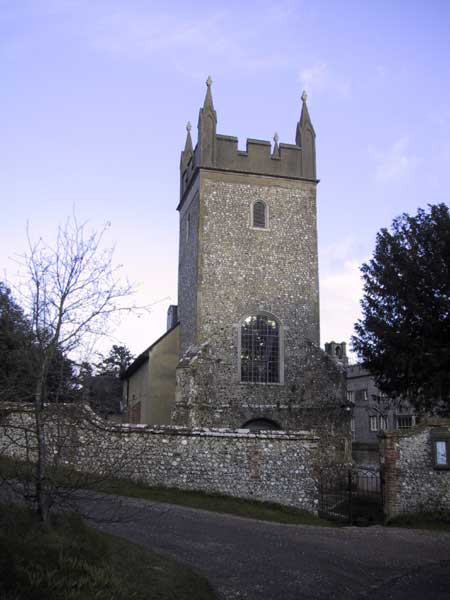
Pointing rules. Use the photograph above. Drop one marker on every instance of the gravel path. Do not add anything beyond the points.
(254, 560)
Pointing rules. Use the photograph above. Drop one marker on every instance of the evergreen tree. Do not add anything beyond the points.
(403, 337)
(19, 358)
(106, 386)
(17, 355)
(117, 361)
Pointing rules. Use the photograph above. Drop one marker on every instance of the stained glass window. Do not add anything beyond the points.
(260, 350)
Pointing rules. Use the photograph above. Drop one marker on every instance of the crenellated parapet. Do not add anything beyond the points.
(220, 152)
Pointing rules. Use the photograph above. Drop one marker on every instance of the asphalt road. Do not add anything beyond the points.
(254, 560)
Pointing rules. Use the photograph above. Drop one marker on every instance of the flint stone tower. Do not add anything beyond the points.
(248, 296)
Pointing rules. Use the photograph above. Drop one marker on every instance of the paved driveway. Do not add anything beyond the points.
(254, 560)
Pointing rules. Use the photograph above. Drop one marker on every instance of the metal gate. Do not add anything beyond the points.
(351, 496)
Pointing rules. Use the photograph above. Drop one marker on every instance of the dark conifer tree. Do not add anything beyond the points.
(403, 337)
(17, 356)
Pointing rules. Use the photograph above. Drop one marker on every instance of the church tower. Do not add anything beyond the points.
(248, 295)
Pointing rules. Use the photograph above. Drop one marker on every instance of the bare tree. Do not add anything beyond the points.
(84, 457)
(70, 291)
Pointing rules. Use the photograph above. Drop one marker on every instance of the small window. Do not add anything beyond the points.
(135, 413)
(404, 421)
(188, 226)
(361, 395)
(440, 439)
(350, 396)
(373, 423)
(383, 423)
(259, 215)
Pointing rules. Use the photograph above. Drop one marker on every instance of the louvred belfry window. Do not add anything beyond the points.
(260, 350)
(259, 215)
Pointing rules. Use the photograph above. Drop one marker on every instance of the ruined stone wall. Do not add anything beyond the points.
(274, 466)
(411, 481)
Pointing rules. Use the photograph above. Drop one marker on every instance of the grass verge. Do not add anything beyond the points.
(252, 509)
(241, 507)
(437, 521)
(67, 560)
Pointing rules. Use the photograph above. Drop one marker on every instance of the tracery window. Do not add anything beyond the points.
(260, 349)
(259, 216)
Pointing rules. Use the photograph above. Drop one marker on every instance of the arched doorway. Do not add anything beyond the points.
(261, 425)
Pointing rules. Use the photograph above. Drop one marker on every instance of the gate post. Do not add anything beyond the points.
(350, 494)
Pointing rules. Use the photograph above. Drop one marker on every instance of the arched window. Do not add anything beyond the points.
(259, 216)
(260, 349)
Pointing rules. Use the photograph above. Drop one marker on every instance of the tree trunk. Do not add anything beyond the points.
(41, 459)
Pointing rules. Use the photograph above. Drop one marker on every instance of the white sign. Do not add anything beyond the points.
(441, 453)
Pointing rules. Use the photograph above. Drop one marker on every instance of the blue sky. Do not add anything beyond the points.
(95, 95)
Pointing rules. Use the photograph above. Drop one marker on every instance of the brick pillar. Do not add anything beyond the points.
(389, 457)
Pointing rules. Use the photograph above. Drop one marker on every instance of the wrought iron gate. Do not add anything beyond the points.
(351, 496)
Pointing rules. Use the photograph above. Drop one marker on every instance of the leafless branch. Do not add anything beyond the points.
(70, 291)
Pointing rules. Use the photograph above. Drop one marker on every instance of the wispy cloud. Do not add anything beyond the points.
(132, 34)
(340, 294)
(340, 289)
(444, 151)
(183, 41)
(396, 161)
(381, 72)
(318, 78)
(176, 36)
(439, 117)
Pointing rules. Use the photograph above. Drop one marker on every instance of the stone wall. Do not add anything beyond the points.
(411, 481)
(208, 394)
(273, 466)
(188, 269)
